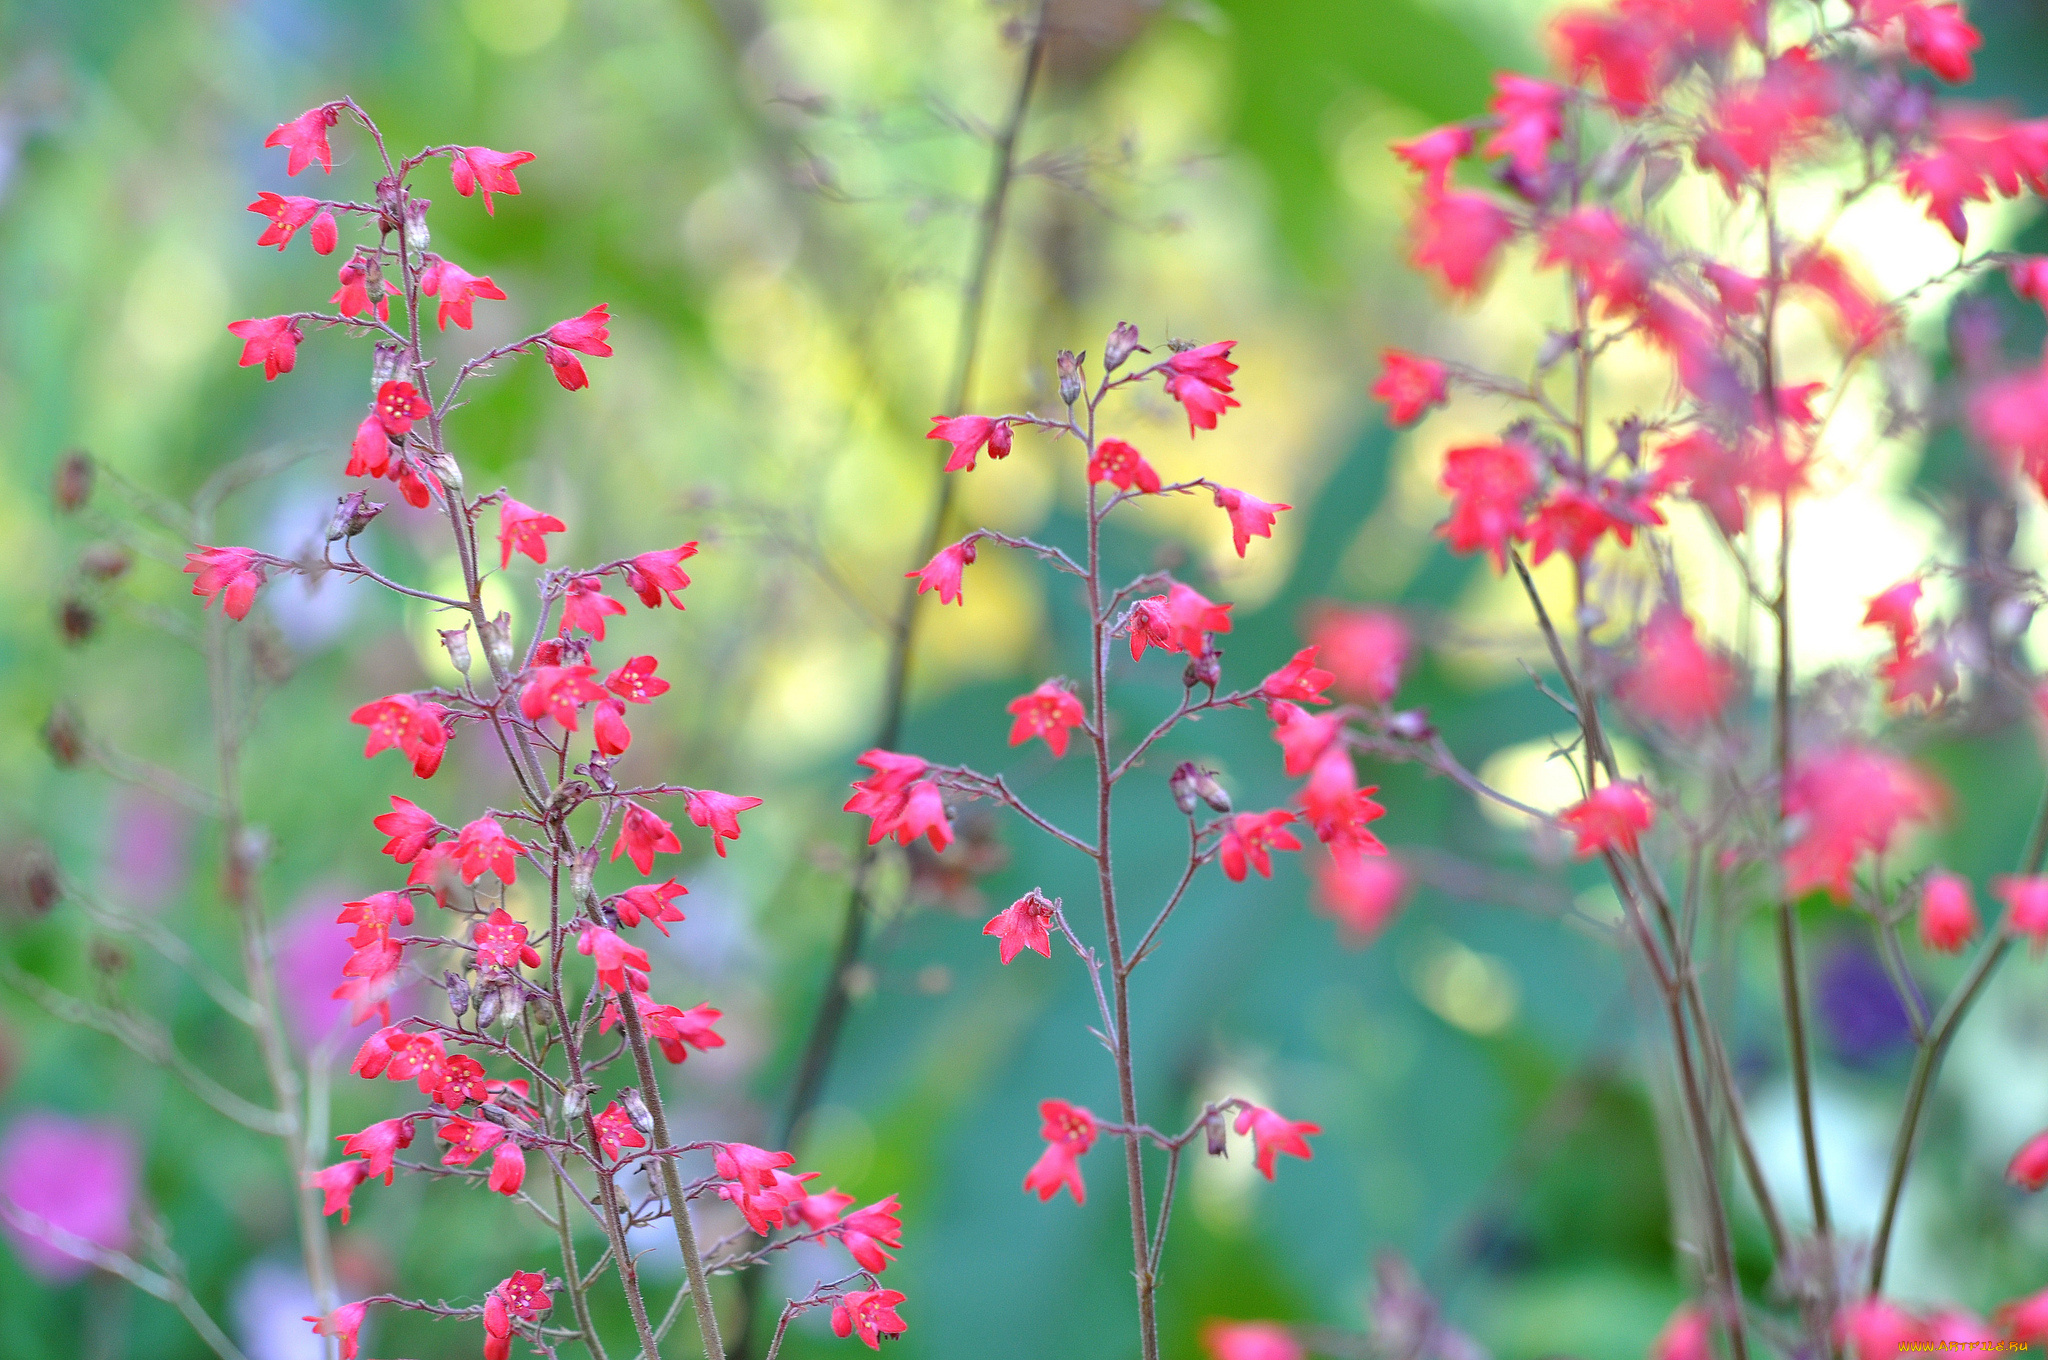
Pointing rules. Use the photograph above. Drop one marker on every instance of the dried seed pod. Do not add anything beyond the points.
(77, 621)
(1122, 343)
(1182, 782)
(63, 736)
(72, 487)
(575, 1101)
(1070, 375)
(487, 1007)
(497, 638)
(636, 1109)
(458, 992)
(105, 561)
(1211, 792)
(456, 640)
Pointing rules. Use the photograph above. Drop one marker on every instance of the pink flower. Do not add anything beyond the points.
(411, 725)
(336, 1184)
(615, 1131)
(458, 289)
(1863, 319)
(2026, 906)
(1249, 836)
(614, 957)
(501, 943)
(1299, 680)
(867, 1232)
(589, 333)
(1250, 517)
(967, 435)
(943, 572)
(719, 811)
(568, 369)
(353, 297)
(1676, 681)
(272, 341)
(1363, 893)
(234, 575)
(1610, 818)
(1410, 385)
(1433, 154)
(652, 575)
(508, 1168)
(343, 1324)
(1490, 487)
(1531, 114)
(1875, 1329)
(2025, 1319)
(2028, 1168)
(1458, 234)
(636, 682)
(1272, 1134)
(1893, 611)
(1051, 711)
(869, 1314)
(378, 1050)
(820, 1209)
(585, 606)
(520, 529)
(1939, 38)
(557, 692)
(1189, 618)
(79, 1177)
(378, 1144)
(1689, 1335)
(641, 834)
(1302, 736)
(524, 1296)
(1618, 46)
(323, 234)
(670, 1026)
(1948, 916)
(1024, 924)
(483, 845)
(397, 406)
(305, 139)
(1199, 379)
(1250, 1341)
(1123, 467)
(1365, 649)
(479, 167)
(653, 901)
(1069, 1131)
(287, 213)
(1848, 802)
(2029, 277)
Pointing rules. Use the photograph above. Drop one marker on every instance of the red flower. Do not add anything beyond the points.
(1676, 680)
(353, 297)
(1199, 379)
(1739, 292)
(1410, 385)
(369, 453)
(1875, 1329)
(398, 406)
(568, 369)
(2025, 1319)
(1894, 610)
(479, 167)
(305, 139)
(1573, 521)
(342, 1324)
(412, 829)
(520, 529)
(501, 943)
(1610, 818)
(762, 1192)
(1123, 467)
(1939, 38)
(1458, 234)
(2026, 906)
(585, 605)
(1250, 517)
(232, 574)
(1365, 649)
(1247, 839)
(458, 289)
(1363, 893)
(1490, 485)
(2028, 1168)
(287, 213)
(822, 1209)
(898, 801)
(651, 575)
(483, 845)
(869, 1314)
(1190, 618)
(1847, 802)
(636, 682)
(2029, 277)
(1338, 809)
(378, 1144)
(1299, 680)
(523, 1295)
(468, 1139)
(614, 957)
(1689, 1335)
(1948, 916)
(272, 341)
(1620, 47)
(508, 1168)
(654, 901)
(641, 834)
(943, 572)
(1302, 736)
(323, 234)
(719, 811)
(1050, 711)
(967, 435)
(412, 725)
(615, 1132)
(670, 1026)
(1862, 317)
(1434, 152)
(1022, 925)
(1531, 114)
(1068, 1131)
(608, 730)
(338, 1182)
(866, 1232)
(558, 691)
(374, 916)
(377, 1051)
(1250, 1341)
(1273, 1134)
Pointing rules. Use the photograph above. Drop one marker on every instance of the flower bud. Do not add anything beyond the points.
(1070, 375)
(389, 364)
(352, 514)
(636, 1109)
(64, 737)
(456, 640)
(390, 198)
(1212, 792)
(1411, 724)
(77, 621)
(447, 470)
(487, 1007)
(580, 875)
(417, 236)
(1217, 1129)
(497, 638)
(1122, 343)
(106, 561)
(575, 1101)
(458, 992)
(1206, 669)
(73, 485)
(511, 1002)
(1182, 782)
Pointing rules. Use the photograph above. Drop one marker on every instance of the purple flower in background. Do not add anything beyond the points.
(1861, 1011)
(77, 1176)
(146, 860)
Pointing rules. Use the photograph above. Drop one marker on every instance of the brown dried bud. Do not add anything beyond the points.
(636, 1109)
(77, 621)
(106, 561)
(29, 877)
(1212, 792)
(456, 640)
(73, 485)
(580, 876)
(575, 1101)
(1206, 669)
(1182, 782)
(487, 1007)
(389, 365)
(497, 638)
(1070, 375)
(64, 737)
(108, 958)
(1216, 1128)
(1411, 724)
(390, 198)
(458, 992)
(417, 237)
(1122, 343)
(352, 514)
(511, 1002)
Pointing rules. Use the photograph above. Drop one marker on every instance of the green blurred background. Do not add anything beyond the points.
(777, 202)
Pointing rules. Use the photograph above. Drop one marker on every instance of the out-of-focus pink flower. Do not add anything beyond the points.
(2028, 1168)
(1250, 1341)
(1363, 893)
(77, 1176)
(1677, 681)
(1875, 1329)
(146, 853)
(1689, 1335)
(1948, 917)
(1610, 818)
(1410, 385)
(1848, 802)
(1274, 1133)
(1458, 234)
(1365, 650)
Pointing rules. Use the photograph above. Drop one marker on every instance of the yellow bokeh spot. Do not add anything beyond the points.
(513, 28)
(1471, 990)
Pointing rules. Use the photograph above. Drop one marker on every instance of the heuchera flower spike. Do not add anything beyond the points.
(471, 168)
